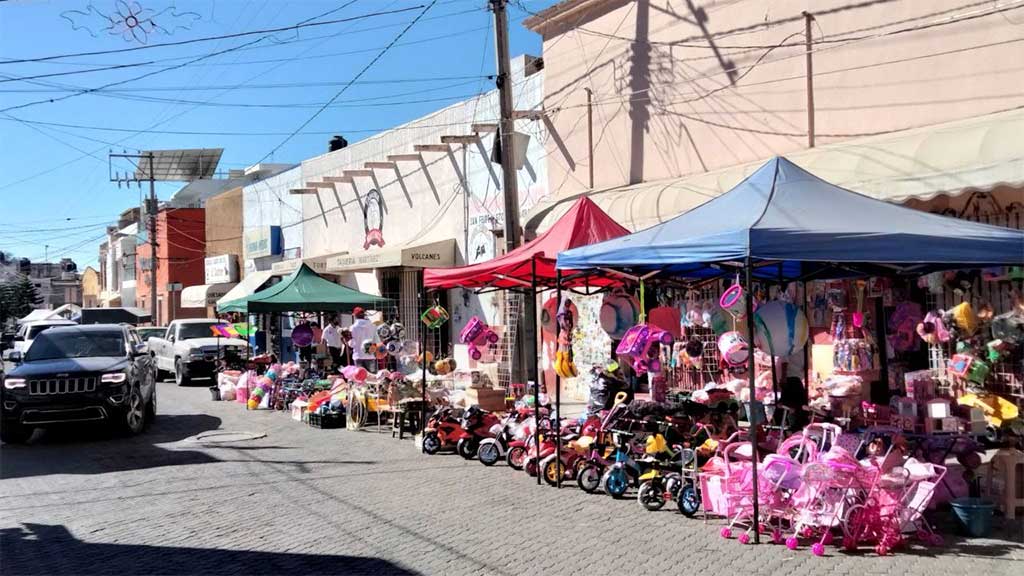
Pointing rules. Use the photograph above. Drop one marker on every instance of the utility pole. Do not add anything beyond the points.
(519, 365)
(152, 241)
(808, 47)
(507, 126)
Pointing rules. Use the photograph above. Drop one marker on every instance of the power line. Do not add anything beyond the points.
(344, 88)
(281, 85)
(265, 32)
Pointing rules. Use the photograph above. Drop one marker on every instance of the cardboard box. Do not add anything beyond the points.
(487, 398)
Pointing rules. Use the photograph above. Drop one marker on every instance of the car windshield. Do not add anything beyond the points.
(147, 333)
(34, 331)
(189, 331)
(75, 344)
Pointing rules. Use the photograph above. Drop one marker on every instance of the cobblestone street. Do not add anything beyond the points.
(302, 500)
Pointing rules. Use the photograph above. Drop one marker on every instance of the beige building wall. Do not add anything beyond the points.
(680, 87)
(224, 224)
(90, 288)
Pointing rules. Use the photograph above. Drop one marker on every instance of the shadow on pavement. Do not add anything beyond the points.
(49, 549)
(94, 450)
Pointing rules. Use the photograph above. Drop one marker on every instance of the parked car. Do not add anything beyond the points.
(147, 332)
(99, 372)
(190, 350)
(28, 332)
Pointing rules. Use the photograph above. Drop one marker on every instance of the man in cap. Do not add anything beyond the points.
(364, 334)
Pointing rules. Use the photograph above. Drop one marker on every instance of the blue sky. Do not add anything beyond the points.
(54, 180)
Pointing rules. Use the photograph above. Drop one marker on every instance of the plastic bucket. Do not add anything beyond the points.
(975, 515)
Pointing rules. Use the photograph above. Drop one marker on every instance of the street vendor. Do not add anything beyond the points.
(331, 337)
(364, 336)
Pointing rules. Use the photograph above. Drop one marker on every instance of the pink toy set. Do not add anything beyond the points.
(813, 488)
(643, 344)
(477, 334)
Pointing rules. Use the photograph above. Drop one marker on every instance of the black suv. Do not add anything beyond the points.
(100, 372)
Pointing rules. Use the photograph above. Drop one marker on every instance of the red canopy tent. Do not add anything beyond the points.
(585, 223)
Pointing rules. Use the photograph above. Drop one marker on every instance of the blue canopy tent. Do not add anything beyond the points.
(792, 225)
(784, 223)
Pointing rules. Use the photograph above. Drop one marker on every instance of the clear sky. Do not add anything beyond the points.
(55, 193)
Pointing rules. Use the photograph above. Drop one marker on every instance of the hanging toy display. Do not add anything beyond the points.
(434, 317)
(734, 349)
(565, 367)
(643, 345)
(478, 336)
(691, 354)
(780, 328)
(932, 329)
(853, 355)
(391, 337)
(734, 301)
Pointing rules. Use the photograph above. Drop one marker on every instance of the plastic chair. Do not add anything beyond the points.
(1010, 464)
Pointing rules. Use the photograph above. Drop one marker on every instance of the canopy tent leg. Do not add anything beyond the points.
(423, 363)
(558, 379)
(534, 371)
(752, 411)
(883, 356)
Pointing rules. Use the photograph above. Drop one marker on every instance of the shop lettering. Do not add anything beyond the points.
(426, 256)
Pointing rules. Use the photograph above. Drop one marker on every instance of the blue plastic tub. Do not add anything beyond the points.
(975, 515)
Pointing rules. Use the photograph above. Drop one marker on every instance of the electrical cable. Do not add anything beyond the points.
(265, 32)
(344, 88)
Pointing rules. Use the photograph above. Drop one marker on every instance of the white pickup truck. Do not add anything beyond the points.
(190, 350)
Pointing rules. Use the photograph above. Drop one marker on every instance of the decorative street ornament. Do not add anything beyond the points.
(130, 21)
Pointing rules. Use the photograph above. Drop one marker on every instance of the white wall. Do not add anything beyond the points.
(268, 203)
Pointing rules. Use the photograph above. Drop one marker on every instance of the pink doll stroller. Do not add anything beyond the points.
(828, 485)
(893, 505)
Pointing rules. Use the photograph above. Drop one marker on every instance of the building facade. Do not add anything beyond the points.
(180, 262)
(90, 279)
(656, 107)
(118, 261)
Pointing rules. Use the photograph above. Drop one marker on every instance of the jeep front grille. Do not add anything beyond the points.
(61, 386)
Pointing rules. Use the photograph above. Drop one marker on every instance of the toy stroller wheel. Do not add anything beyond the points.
(516, 457)
(881, 550)
(488, 454)
(431, 443)
(589, 478)
(616, 482)
(689, 500)
(827, 539)
(776, 536)
(818, 549)
(725, 533)
(650, 497)
(792, 543)
(466, 448)
(849, 543)
(853, 522)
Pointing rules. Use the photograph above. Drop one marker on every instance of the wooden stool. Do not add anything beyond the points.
(1010, 466)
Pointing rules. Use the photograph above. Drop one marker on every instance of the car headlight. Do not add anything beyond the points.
(113, 378)
(195, 355)
(13, 383)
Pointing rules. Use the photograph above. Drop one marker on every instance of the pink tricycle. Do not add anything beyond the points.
(477, 334)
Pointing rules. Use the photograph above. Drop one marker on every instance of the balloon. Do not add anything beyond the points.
(272, 375)
(253, 404)
(780, 328)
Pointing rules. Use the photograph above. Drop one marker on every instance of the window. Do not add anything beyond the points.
(76, 344)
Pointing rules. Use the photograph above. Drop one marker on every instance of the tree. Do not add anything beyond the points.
(23, 297)
(6, 301)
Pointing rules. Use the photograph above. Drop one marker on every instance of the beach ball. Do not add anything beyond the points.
(780, 328)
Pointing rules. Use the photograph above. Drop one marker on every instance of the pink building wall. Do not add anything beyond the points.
(687, 86)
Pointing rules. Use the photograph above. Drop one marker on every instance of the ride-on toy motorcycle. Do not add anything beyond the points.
(443, 431)
(476, 424)
(511, 429)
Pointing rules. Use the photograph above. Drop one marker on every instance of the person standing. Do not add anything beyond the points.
(364, 333)
(331, 336)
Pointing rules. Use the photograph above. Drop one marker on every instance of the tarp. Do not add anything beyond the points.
(304, 291)
(252, 282)
(585, 223)
(800, 225)
(204, 295)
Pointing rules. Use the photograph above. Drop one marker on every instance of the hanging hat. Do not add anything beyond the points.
(618, 313)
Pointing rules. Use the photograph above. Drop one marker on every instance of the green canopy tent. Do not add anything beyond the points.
(303, 291)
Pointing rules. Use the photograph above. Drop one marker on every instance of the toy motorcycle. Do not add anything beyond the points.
(476, 425)
(443, 431)
(505, 433)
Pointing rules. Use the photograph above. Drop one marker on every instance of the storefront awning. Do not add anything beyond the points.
(204, 295)
(253, 282)
(434, 254)
(974, 154)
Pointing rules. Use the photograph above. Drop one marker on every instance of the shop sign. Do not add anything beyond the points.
(221, 269)
(262, 241)
(285, 267)
(437, 254)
